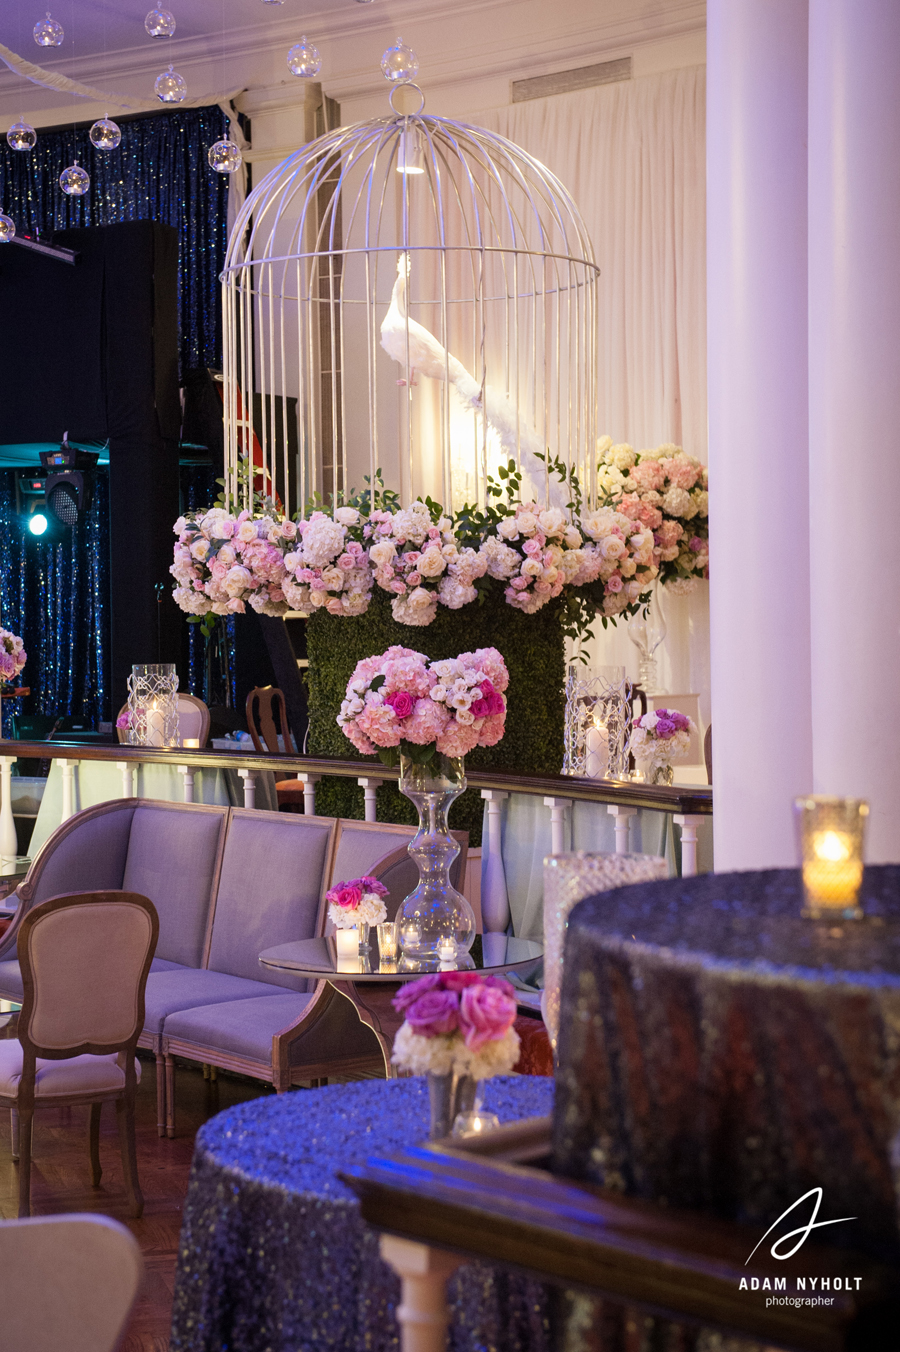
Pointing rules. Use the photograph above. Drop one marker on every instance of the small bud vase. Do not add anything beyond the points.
(448, 1096)
(434, 916)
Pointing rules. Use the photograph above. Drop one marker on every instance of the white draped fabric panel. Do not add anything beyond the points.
(633, 157)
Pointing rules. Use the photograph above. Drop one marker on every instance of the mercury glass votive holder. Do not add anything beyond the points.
(388, 941)
(831, 837)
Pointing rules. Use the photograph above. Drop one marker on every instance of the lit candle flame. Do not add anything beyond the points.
(832, 847)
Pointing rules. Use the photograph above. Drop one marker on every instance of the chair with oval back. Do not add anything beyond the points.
(267, 723)
(84, 960)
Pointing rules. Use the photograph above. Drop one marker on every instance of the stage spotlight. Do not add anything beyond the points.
(38, 523)
(70, 481)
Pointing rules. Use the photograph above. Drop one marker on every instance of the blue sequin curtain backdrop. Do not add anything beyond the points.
(54, 593)
(159, 173)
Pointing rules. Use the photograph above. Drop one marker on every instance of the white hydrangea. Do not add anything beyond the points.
(193, 602)
(323, 540)
(502, 561)
(678, 502)
(441, 1055)
(454, 594)
(412, 523)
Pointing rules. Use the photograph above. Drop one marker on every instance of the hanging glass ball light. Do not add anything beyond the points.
(21, 136)
(160, 23)
(170, 88)
(304, 60)
(49, 33)
(399, 63)
(74, 181)
(225, 156)
(7, 228)
(104, 134)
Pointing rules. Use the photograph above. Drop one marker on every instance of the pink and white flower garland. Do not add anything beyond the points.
(12, 656)
(359, 900)
(661, 737)
(223, 563)
(458, 1022)
(402, 702)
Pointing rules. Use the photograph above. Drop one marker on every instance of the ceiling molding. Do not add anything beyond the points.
(537, 52)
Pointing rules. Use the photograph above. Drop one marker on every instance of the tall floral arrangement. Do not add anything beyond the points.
(665, 491)
(12, 656)
(400, 702)
(225, 562)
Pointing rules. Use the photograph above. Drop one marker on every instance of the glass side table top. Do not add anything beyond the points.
(316, 959)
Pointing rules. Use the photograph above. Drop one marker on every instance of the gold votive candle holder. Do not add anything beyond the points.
(831, 837)
(388, 941)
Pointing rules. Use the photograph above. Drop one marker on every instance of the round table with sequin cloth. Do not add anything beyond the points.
(718, 1052)
(273, 1254)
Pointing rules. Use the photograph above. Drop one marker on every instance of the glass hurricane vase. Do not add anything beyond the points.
(435, 920)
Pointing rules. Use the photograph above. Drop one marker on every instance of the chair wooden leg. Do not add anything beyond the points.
(160, 1094)
(14, 1133)
(26, 1118)
(125, 1118)
(170, 1097)
(213, 1074)
(94, 1143)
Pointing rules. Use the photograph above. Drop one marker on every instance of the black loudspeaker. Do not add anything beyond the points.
(116, 380)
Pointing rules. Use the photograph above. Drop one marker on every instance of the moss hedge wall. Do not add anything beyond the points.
(532, 646)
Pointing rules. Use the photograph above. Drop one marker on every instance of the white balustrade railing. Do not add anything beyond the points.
(495, 913)
(369, 785)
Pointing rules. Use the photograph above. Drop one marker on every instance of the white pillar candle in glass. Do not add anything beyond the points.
(156, 725)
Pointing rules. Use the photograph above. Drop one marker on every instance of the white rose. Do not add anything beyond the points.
(236, 580)
(572, 538)
(382, 553)
(613, 548)
(246, 532)
(508, 528)
(200, 548)
(332, 578)
(531, 568)
(552, 521)
(431, 563)
(346, 516)
(527, 522)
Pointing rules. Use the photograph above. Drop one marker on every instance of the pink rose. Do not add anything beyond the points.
(414, 578)
(347, 895)
(345, 562)
(485, 1014)
(532, 547)
(614, 584)
(123, 721)
(401, 702)
(458, 981)
(435, 1013)
(410, 993)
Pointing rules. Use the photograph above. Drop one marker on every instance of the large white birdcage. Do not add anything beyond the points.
(414, 296)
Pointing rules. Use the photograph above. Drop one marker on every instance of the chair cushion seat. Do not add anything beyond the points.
(164, 965)
(170, 991)
(243, 1028)
(10, 981)
(78, 1075)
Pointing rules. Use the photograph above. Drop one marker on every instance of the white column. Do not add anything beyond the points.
(854, 405)
(68, 789)
(127, 778)
(494, 894)
(689, 822)
(757, 344)
(8, 845)
(622, 817)
(369, 785)
(187, 773)
(558, 808)
(309, 783)
(249, 787)
(422, 1313)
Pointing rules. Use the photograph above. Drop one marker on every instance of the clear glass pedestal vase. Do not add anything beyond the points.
(658, 774)
(435, 920)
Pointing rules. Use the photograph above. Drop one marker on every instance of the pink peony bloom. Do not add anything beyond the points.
(347, 895)
(401, 702)
(435, 1013)
(485, 1014)
(408, 995)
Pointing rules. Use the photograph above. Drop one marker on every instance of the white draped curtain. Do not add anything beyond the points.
(633, 157)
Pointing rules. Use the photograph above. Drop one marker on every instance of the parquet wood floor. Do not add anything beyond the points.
(61, 1181)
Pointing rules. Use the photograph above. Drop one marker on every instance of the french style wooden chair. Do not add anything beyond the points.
(84, 960)
(267, 722)
(68, 1281)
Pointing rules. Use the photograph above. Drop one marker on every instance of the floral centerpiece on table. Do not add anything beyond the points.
(12, 657)
(458, 1023)
(359, 901)
(402, 703)
(658, 739)
(666, 491)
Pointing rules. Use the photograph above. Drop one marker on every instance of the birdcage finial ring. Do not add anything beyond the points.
(407, 84)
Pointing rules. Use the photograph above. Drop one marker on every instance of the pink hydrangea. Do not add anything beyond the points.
(378, 722)
(426, 723)
(457, 739)
(359, 739)
(492, 730)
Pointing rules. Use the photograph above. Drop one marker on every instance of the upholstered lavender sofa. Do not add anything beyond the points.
(227, 883)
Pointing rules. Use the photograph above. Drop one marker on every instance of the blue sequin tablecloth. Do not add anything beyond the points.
(274, 1256)
(720, 1053)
